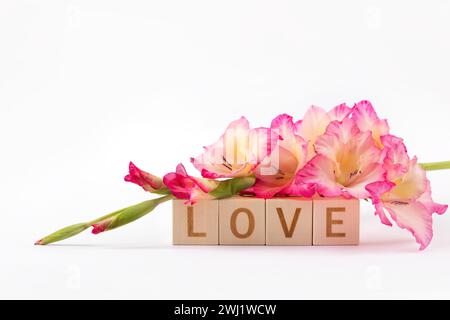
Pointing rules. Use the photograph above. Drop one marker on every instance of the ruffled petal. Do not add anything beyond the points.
(367, 120)
(320, 172)
(339, 112)
(414, 217)
(411, 186)
(357, 187)
(427, 201)
(396, 161)
(376, 191)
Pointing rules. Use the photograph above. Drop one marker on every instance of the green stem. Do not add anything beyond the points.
(432, 166)
(114, 220)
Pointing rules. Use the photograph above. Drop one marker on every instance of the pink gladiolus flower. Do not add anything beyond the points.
(144, 179)
(407, 194)
(237, 152)
(315, 123)
(347, 161)
(183, 186)
(276, 174)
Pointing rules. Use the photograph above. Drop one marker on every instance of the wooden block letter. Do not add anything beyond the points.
(289, 222)
(198, 224)
(335, 221)
(242, 221)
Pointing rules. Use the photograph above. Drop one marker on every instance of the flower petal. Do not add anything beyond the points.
(320, 172)
(377, 190)
(396, 161)
(183, 186)
(144, 179)
(278, 170)
(427, 201)
(339, 112)
(414, 217)
(411, 186)
(229, 156)
(367, 120)
(371, 174)
(262, 141)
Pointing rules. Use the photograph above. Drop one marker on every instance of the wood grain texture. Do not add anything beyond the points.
(335, 221)
(196, 225)
(289, 221)
(242, 221)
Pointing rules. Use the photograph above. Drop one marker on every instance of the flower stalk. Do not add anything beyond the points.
(107, 222)
(433, 166)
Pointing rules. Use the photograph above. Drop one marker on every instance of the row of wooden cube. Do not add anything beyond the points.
(278, 221)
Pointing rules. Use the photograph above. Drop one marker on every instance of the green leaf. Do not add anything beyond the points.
(231, 187)
(64, 233)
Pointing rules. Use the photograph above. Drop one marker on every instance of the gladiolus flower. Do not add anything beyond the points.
(347, 161)
(277, 172)
(237, 152)
(407, 194)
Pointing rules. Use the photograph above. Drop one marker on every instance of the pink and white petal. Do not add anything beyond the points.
(299, 189)
(427, 201)
(372, 173)
(264, 191)
(367, 120)
(283, 125)
(380, 212)
(365, 115)
(290, 141)
(396, 161)
(377, 190)
(412, 185)
(277, 171)
(339, 112)
(262, 141)
(343, 130)
(414, 217)
(243, 171)
(311, 127)
(229, 156)
(320, 172)
(236, 142)
(313, 124)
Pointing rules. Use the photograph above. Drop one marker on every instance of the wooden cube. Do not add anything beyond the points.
(335, 221)
(198, 224)
(289, 221)
(242, 221)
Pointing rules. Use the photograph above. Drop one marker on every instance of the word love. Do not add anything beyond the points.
(278, 221)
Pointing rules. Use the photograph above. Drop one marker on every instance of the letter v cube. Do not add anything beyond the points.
(289, 221)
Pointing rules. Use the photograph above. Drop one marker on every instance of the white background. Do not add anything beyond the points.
(86, 86)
